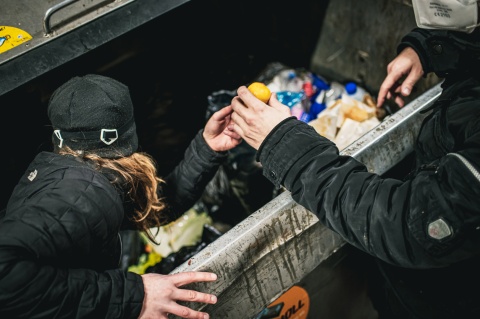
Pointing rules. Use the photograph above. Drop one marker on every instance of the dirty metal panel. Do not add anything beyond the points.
(393, 139)
(281, 243)
(267, 253)
(57, 31)
(57, 18)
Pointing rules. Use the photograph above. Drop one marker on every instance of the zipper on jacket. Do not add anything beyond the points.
(467, 164)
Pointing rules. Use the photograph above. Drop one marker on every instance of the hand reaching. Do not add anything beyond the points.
(162, 293)
(216, 132)
(406, 65)
(253, 120)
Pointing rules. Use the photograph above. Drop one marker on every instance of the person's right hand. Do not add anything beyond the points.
(406, 65)
(252, 119)
(162, 293)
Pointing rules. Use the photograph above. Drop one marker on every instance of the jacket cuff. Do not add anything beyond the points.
(417, 41)
(205, 152)
(135, 294)
(260, 149)
(286, 145)
(440, 51)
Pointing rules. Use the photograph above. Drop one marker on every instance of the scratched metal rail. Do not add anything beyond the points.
(281, 243)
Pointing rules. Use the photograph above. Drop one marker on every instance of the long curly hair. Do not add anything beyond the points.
(136, 175)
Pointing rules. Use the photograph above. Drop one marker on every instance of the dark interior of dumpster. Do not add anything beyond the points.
(172, 65)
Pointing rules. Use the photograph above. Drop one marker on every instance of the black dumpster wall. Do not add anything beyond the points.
(171, 65)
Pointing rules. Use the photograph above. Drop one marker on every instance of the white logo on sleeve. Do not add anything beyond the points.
(32, 175)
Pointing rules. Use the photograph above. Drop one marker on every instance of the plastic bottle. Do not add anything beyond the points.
(320, 85)
(354, 91)
(334, 93)
(287, 80)
(317, 106)
(308, 88)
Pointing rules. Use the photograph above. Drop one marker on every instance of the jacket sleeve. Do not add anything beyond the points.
(42, 271)
(385, 217)
(187, 182)
(444, 52)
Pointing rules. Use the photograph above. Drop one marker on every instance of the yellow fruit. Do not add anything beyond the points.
(260, 90)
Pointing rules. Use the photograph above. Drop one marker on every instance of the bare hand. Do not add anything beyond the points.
(406, 65)
(162, 294)
(217, 134)
(253, 120)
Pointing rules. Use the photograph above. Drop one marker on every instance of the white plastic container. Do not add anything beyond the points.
(354, 91)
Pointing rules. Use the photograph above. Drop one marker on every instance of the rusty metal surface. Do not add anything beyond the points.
(281, 243)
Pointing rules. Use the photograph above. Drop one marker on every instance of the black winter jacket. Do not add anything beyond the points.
(59, 239)
(425, 229)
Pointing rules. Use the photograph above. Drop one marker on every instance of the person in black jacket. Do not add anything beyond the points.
(424, 230)
(60, 247)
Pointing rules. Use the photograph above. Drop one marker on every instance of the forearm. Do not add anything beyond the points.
(377, 215)
(31, 290)
(187, 182)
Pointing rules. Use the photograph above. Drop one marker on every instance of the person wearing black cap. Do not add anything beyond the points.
(60, 246)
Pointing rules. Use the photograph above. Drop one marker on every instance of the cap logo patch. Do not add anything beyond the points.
(108, 136)
(439, 229)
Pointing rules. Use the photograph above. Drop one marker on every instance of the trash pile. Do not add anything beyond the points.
(340, 112)
(176, 242)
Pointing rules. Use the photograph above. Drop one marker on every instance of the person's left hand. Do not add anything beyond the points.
(162, 293)
(217, 134)
(253, 120)
(406, 66)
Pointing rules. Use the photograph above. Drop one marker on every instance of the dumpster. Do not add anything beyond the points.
(279, 261)
(282, 246)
